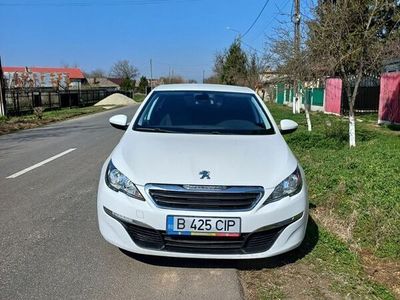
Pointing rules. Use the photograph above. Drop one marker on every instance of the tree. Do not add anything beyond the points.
(128, 84)
(123, 69)
(255, 67)
(236, 67)
(172, 79)
(96, 73)
(232, 65)
(212, 79)
(143, 84)
(292, 63)
(349, 39)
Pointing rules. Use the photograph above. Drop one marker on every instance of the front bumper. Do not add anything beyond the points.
(146, 214)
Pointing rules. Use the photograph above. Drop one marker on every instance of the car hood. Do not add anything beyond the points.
(235, 160)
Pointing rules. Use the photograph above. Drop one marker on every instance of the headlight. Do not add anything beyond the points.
(118, 182)
(288, 187)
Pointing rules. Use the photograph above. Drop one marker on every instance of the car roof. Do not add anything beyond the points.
(203, 87)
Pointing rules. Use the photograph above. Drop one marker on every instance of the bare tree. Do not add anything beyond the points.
(212, 79)
(124, 69)
(172, 79)
(294, 66)
(350, 39)
(255, 67)
(97, 73)
(67, 65)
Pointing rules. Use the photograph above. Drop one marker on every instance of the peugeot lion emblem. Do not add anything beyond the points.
(204, 174)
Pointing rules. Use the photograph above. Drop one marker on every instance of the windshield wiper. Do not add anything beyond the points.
(154, 129)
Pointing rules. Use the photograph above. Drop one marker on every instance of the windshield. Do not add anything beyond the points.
(203, 112)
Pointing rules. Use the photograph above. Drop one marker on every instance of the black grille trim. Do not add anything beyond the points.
(247, 243)
(229, 198)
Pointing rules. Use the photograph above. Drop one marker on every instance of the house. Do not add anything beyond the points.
(102, 83)
(38, 77)
(117, 81)
(391, 65)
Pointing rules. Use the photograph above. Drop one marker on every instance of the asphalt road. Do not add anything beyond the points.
(50, 246)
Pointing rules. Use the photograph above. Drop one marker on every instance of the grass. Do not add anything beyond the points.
(323, 267)
(359, 186)
(11, 124)
(355, 197)
(139, 97)
(332, 258)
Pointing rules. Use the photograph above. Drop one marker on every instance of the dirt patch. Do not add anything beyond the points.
(294, 281)
(31, 121)
(384, 271)
(6, 127)
(343, 229)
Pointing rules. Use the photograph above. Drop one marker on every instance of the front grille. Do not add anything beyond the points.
(144, 237)
(255, 242)
(225, 198)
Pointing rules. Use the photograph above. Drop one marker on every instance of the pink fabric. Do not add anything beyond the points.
(333, 95)
(389, 98)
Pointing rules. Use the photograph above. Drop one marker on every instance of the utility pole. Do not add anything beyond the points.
(2, 98)
(151, 73)
(169, 74)
(2, 112)
(203, 76)
(296, 21)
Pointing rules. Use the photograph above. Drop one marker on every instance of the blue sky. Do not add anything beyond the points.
(177, 34)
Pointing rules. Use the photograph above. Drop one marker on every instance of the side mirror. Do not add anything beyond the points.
(119, 122)
(288, 126)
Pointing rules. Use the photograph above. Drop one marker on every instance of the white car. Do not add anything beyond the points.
(203, 171)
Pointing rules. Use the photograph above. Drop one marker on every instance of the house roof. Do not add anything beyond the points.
(73, 73)
(101, 82)
(117, 81)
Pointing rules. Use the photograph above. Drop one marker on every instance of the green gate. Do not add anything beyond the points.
(318, 97)
(280, 93)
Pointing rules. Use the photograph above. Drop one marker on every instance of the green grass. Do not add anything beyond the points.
(342, 267)
(323, 267)
(272, 293)
(139, 97)
(359, 185)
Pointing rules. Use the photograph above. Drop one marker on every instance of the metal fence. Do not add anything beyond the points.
(20, 101)
(367, 99)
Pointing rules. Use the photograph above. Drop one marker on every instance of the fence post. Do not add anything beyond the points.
(18, 102)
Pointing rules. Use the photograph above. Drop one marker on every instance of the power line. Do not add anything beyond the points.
(273, 19)
(255, 21)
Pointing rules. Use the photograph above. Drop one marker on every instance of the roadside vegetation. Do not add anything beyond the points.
(40, 118)
(138, 97)
(354, 199)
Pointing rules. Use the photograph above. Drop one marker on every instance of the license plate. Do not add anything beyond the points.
(212, 226)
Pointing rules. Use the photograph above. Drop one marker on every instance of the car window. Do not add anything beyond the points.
(203, 112)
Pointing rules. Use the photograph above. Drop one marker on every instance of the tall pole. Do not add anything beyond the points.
(151, 73)
(2, 112)
(2, 98)
(296, 21)
(203, 76)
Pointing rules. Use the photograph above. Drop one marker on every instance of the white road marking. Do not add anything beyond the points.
(40, 163)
